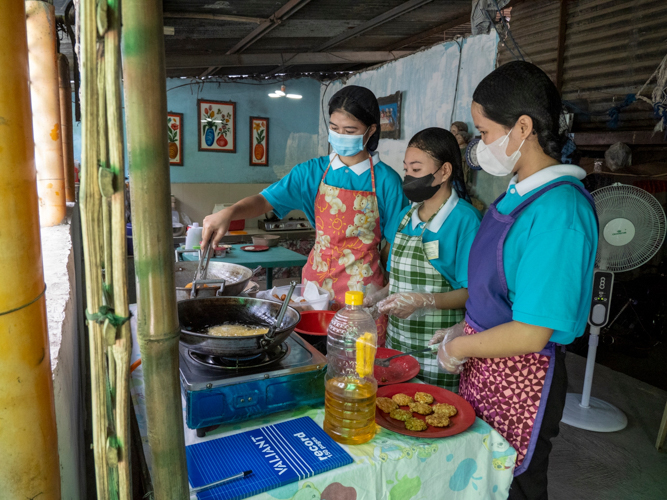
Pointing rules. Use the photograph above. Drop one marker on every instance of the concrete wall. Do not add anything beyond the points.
(59, 274)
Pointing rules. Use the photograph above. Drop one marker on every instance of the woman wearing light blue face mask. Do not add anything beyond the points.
(349, 196)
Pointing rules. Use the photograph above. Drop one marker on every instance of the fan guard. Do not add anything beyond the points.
(632, 227)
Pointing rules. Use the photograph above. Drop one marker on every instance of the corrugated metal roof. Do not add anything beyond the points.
(611, 48)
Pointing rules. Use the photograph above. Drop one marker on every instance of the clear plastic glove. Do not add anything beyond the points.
(375, 295)
(446, 362)
(408, 305)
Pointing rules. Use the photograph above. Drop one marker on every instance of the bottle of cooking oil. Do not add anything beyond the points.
(350, 387)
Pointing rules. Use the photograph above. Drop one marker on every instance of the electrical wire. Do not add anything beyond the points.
(458, 73)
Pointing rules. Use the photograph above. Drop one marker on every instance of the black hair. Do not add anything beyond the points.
(461, 126)
(363, 105)
(441, 145)
(521, 88)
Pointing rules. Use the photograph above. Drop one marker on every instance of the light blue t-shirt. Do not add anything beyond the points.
(454, 228)
(298, 189)
(549, 253)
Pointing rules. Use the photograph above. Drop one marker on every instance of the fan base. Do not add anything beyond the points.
(600, 416)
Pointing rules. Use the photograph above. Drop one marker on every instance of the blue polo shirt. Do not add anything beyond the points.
(549, 253)
(298, 189)
(454, 228)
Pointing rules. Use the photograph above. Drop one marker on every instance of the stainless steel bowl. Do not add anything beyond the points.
(236, 278)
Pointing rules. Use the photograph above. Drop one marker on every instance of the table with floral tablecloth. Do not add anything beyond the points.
(476, 464)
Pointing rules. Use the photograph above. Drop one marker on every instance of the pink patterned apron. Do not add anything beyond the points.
(346, 253)
(508, 393)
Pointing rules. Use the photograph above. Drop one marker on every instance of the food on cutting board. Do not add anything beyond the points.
(423, 397)
(415, 424)
(399, 414)
(438, 420)
(236, 330)
(445, 409)
(402, 399)
(421, 408)
(386, 404)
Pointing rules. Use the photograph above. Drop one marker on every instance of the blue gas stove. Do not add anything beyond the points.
(223, 390)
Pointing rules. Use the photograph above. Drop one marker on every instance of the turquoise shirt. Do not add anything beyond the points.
(549, 253)
(454, 228)
(297, 190)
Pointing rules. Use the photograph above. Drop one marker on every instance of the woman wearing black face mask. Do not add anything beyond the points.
(428, 264)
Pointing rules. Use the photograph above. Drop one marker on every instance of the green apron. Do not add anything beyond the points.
(411, 271)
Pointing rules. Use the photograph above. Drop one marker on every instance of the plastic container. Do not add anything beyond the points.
(193, 236)
(300, 305)
(350, 388)
(313, 328)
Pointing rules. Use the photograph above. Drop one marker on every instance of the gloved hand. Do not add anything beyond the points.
(447, 362)
(408, 304)
(375, 295)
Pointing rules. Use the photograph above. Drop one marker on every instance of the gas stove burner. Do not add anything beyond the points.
(259, 360)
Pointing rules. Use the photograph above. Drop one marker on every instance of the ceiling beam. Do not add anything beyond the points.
(273, 21)
(397, 11)
(452, 23)
(240, 60)
(214, 17)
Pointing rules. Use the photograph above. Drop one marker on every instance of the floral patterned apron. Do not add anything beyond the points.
(509, 393)
(346, 254)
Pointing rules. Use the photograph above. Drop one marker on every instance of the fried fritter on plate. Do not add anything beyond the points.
(438, 420)
(399, 414)
(386, 404)
(423, 397)
(445, 409)
(402, 399)
(421, 408)
(415, 424)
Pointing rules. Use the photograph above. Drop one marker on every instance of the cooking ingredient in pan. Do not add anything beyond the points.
(236, 330)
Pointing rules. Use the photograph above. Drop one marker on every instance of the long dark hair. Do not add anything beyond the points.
(363, 105)
(441, 145)
(521, 88)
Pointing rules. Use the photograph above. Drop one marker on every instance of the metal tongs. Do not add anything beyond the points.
(384, 362)
(268, 337)
(202, 270)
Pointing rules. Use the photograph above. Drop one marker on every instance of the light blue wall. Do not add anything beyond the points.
(293, 130)
(428, 81)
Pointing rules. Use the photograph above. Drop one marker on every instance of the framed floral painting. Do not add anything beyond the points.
(259, 141)
(175, 135)
(217, 126)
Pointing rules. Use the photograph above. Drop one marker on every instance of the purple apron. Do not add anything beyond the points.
(508, 393)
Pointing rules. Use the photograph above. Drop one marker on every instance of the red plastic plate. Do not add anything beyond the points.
(399, 370)
(458, 423)
(255, 248)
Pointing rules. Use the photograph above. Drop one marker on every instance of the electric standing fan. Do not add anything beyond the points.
(632, 230)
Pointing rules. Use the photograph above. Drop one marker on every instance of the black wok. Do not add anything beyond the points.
(196, 315)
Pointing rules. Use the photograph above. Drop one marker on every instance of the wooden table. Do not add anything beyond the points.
(273, 257)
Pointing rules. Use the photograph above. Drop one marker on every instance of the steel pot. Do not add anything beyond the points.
(196, 315)
(236, 278)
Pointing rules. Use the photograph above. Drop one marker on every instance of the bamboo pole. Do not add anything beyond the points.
(90, 203)
(41, 26)
(123, 346)
(29, 466)
(66, 126)
(157, 320)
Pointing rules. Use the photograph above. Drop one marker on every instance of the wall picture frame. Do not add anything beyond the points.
(175, 138)
(259, 141)
(217, 126)
(390, 116)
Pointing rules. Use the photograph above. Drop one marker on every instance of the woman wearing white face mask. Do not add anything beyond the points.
(349, 196)
(530, 272)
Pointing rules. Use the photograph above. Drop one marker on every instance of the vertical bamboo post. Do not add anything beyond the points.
(67, 133)
(157, 319)
(123, 345)
(91, 228)
(29, 466)
(41, 25)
